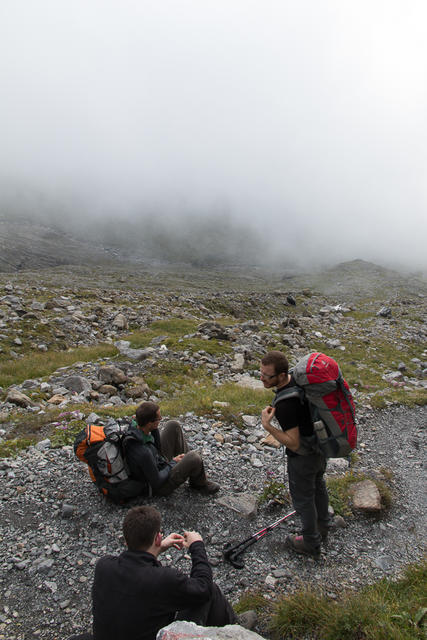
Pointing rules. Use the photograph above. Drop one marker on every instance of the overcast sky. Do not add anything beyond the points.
(307, 117)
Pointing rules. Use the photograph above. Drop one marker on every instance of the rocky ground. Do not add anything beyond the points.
(55, 525)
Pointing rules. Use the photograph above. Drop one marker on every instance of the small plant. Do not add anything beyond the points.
(339, 493)
(385, 493)
(11, 448)
(252, 600)
(66, 428)
(387, 473)
(274, 490)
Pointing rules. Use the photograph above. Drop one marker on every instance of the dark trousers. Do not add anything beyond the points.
(217, 612)
(190, 468)
(309, 494)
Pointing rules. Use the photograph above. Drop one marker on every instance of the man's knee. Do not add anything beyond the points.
(172, 426)
(193, 460)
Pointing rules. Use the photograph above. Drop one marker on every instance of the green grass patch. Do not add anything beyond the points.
(30, 424)
(11, 447)
(65, 430)
(339, 490)
(37, 365)
(363, 364)
(386, 610)
(113, 412)
(173, 376)
(412, 398)
(252, 600)
(174, 331)
(362, 316)
(212, 347)
(200, 396)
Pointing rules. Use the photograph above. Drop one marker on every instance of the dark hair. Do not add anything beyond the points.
(278, 360)
(140, 526)
(146, 412)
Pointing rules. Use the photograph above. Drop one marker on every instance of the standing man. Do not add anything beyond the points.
(159, 458)
(133, 595)
(306, 465)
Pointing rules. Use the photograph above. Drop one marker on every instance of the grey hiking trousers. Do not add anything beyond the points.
(309, 495)
(191, 467)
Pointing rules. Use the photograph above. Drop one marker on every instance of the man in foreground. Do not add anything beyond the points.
(159, 458)
(134, 595)
(306, 465)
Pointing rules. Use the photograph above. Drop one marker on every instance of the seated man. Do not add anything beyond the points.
(134, 595)
(160, 457)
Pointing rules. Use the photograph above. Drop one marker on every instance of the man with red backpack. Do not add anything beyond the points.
(306, 463)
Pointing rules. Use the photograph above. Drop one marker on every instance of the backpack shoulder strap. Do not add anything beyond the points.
(290, 392)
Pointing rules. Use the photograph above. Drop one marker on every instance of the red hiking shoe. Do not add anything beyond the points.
(297, 544)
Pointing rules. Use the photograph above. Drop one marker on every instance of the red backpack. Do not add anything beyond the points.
(320, 381)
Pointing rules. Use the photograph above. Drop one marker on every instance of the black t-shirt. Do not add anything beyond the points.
(291, 413)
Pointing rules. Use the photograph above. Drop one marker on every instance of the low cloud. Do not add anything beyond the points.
(298, 127)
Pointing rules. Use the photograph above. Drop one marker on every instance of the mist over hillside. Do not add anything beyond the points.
(28, 241)
(39, 228)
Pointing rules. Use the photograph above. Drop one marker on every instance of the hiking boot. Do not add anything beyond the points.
(324, 531)
(336, 522)
(208, 488)
(297, 544)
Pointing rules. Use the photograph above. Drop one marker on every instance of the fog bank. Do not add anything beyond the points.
(298, 129)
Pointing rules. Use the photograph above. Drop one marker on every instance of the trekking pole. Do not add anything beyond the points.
(231, 552)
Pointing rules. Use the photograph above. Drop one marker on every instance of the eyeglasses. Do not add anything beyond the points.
(264, 375)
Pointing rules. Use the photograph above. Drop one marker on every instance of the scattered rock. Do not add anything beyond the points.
(20, 399)
(77, 384)
(112, 375)
(120, 322)
(366, 496)
(244, 504)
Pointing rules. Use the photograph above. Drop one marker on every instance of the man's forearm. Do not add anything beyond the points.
(290, 440)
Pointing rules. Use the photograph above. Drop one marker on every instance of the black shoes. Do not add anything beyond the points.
(209, 488)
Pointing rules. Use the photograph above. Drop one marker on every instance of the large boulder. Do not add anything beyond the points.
(213, 330)
(20, 399)
(245, 504)
(366, 496)
(77, 384)
(181, 630)
(112, 375)
(134, 354)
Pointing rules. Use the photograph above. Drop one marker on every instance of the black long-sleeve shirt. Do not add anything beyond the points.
(134, 595)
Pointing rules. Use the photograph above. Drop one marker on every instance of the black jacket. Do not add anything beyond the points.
(134, 596)
(145, 461)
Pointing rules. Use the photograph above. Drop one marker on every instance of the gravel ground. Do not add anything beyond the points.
(55, 525)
